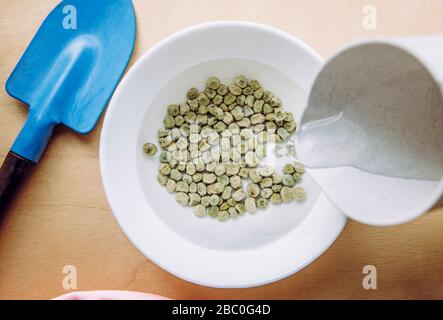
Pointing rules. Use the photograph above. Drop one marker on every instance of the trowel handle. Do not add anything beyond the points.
(12, 172)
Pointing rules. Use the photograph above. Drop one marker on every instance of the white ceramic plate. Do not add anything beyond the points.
(254, 249)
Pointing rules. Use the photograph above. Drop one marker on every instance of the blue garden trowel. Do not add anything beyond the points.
(66, 76)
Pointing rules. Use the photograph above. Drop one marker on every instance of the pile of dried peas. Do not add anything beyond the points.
(216, 139)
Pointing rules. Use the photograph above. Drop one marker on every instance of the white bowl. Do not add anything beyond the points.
(254, 249)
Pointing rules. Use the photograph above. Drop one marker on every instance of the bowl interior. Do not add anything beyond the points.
(249, 230)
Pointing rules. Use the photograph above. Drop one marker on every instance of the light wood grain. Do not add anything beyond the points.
(62, 217)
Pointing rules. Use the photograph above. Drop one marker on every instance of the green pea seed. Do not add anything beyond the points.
(266, 171)
(251, 159)
(220, 170)
(253, 190)
(203, 99)
(194, 199)
(214, 200)
(254, 175)
(182, 198)
(262, 203)
(173, 110)
(276, 178)
(199, 210)
(197, 177)
(299, 194)
(270, 126)
(241, 100)
(266, 193)
(244, 173)
(235, 90)
(170, 185)
(276, 198)
(165, 156)
(224, 206)
(182, 186)
(192, 93)
(267, 96)
(288, 168)
(283, 133)
(223, 179)
(258, 106)
(250, 205)
(275, 102)
(223, 216)
(193, 187)
(215, 188)
(187, 178)
(286, 194)
(228, 118)
(213, 83)
(232, 169)
(249, 100)
(266, 182)
(210, 93)
(238, 113)
(161, 133)
(169, 121)
(193, 104)
(162, 179)
(235, 182)
(268, 109)
(232, 213)
(248, 91)
(290, 126)
(209, 178)
(229, 99)
(288, 180)
(241, 81)
(190, 168)
(184, 108)
(299, 167)
(231, 202)
(201, 188)
(218, 99)
(247, 110)
(257, 118)
(238, 195)
(165, 169)
(176, 175)
(166, 141)
(297, 177)
(213, 211)
(205, 201)
(220, 126)
(150, 148)
(255, 84)
(227, 191)
(240, 207)
(258, 94)
(200, 167)
(244, 123)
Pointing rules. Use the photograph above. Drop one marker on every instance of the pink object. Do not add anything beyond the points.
(110, 295)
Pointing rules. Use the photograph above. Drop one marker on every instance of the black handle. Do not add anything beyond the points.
(13, 171)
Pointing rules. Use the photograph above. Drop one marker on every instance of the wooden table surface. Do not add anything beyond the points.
(62, 216)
